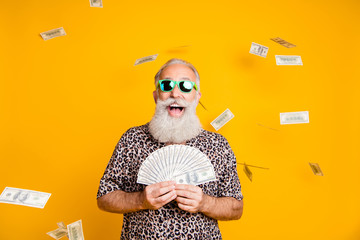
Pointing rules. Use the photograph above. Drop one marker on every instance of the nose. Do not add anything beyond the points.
(175, 93)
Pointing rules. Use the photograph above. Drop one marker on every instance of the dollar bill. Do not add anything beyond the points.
(58, 32)
(145, 59)
(283, 42)
(288, 60)
(61, 225)
(196, 177)
(294, 117)
(58, 233)
(316, 169)
(259, 50)
(222, 119)
(24, 197)
(253, 166)
(75, 231)
(202, 105)
(248, 172)
(96, 3)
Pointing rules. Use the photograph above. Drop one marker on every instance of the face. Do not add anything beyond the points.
(177, 72)
(23, 196)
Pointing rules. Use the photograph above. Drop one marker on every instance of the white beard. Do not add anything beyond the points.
(165, 128)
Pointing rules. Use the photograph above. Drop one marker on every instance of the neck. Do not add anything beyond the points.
(171, 143)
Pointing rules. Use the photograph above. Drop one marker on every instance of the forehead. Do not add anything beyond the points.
(178, 71)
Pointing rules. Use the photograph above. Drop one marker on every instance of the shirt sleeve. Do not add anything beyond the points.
(229, 183)
(116, 168)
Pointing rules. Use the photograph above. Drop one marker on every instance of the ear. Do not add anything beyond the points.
(198, 96)
(155, 96)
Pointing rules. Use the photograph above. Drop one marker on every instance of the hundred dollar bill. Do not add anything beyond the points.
(294, 117)
(58, 233)
(252, 166)
(288, 60)
(61, 225)
(316, 169)
(248, 172)
(96, 3)
(222, 119)
(283, 42)
(202, 105)
(145, 59)
(259, 50)
(24, 197)
(196, 177)
(58, 32)
(75, 231)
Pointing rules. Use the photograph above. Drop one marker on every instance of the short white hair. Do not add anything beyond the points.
(178, 61)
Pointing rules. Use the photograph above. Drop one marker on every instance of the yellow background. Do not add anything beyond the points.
(65, 102)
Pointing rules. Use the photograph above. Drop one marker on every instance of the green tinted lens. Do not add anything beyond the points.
(186, 86)
(167, 85)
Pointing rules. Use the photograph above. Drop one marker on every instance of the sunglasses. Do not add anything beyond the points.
(167, 85)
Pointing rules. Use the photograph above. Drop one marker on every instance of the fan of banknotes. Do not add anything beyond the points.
(180, 163)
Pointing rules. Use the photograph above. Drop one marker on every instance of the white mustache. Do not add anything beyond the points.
(180, 102)
(165, 128)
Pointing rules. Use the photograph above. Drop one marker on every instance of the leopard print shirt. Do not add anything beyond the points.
(169, 222)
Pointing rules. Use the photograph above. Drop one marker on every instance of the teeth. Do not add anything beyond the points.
(175, 105)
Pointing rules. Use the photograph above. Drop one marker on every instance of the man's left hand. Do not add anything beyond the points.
(189, 198)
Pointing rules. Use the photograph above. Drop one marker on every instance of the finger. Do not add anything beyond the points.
(184, 193)
(190, 195)
(166, 198)
(186, 187)
(161, 191)
(164, 184)
(186, 201)
(186, 208)
(182, 186)
(153, 188)
(156, 203)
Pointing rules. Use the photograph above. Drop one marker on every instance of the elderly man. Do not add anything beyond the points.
(167, 210)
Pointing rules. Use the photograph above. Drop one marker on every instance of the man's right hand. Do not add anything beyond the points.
(158, 194)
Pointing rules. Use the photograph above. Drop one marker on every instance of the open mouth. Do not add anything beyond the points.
(175, 110)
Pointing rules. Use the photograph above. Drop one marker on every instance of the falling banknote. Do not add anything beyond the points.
(58, 32)
(316, 169)
(145, 59)
(24, 197)
(58, 233)
(75, 231)
(202, 105)
(96, 3)
(258, 49)
(61, 225)
(283, 42)
(221, 120)
(288, 60)
(294, 117)
(252, 166)
(248, 172)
